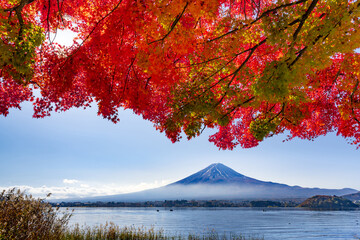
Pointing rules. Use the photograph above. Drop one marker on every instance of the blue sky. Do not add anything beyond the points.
(77, 153)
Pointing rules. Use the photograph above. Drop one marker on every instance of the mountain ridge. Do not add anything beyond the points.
(216, 173)
(219, 182)
(353, 196)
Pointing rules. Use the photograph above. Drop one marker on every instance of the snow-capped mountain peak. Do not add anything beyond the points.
(216, 173)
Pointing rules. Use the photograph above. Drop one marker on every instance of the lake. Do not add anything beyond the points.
(275, 223)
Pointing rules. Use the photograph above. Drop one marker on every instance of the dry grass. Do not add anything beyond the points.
(111, 231)
(24, 217)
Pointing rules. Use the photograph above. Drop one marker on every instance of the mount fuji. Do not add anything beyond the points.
(217, 173)
(219, 182)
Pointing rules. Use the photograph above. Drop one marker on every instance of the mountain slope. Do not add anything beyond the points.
(219, 182)
(217, 173)
(353, 196)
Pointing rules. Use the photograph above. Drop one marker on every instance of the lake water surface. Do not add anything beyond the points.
(271, 224)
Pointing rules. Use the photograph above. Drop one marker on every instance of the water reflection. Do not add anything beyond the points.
(271, 224)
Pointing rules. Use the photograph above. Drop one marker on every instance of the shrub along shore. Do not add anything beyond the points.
(23, 217)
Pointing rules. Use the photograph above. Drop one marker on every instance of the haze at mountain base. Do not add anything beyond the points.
(219, 182)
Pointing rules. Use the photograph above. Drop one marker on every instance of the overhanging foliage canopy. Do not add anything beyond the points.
(250, 68)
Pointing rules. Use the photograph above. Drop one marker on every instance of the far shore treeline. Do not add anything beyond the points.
(185, 203)
(318, 202)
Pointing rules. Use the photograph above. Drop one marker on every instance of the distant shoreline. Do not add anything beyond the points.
(266, 204)
(185, 203)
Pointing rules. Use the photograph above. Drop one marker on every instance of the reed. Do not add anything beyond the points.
(111, 231)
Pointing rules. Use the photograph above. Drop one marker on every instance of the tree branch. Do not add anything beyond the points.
(239, 68)
(259, 18)
(18, 9)
(92, 31)
(303, 19)
(172, 25)
(352, 101)
(236, 106)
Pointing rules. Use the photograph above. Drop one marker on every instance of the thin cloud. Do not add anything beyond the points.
(77, 189)
(70, 181)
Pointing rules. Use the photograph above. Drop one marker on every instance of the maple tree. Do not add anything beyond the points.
(250, 68)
